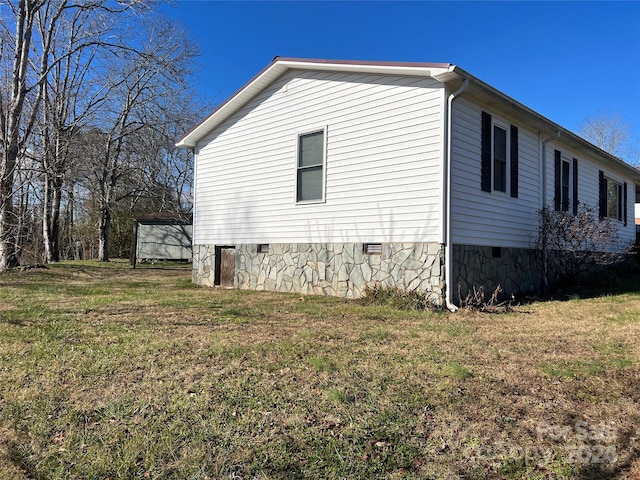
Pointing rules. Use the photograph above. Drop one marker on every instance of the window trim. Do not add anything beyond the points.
(621, 204)
(299, 135)
(565, 183)
(507, 157)
(565, 190)
(574, 185)
(619, 201)
(489, 123)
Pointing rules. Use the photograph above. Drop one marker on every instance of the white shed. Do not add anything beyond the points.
(162, 236)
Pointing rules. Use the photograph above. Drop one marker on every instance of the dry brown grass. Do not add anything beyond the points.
(107, 372)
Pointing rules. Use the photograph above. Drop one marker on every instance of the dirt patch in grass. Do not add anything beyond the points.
(9, 467)
(108, 372)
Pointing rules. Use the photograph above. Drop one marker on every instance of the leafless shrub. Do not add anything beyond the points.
(475, 299)
(569, 246)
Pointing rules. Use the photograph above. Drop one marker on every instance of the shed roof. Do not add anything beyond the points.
(163, 218)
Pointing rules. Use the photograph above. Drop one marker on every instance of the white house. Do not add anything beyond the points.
(326, 177)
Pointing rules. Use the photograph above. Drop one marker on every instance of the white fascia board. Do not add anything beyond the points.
(231, 105)
(280, 66)
(420, 70)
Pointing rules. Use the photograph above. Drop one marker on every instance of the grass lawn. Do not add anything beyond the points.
(108, 373)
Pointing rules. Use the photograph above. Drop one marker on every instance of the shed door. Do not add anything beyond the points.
(227, 266)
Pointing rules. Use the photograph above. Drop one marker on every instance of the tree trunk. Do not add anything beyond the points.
(55, 221)
(104, 228)
(11, 134)
(46, 220)
(72, 244)
(8, 234)
(51, 218)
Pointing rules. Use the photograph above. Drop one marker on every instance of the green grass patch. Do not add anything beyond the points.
(458, 329)
(336, 395)
(580, 368)
(377, 334)
(397, 298)
(612, 348)
(456, 370)
(322, 364)
(110, 372)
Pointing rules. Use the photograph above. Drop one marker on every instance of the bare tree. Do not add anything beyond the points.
(170, 169)
(28, 239)
(32, 59)
(12, 105)
(612, 133)
(69, 96)
(72, 72)
(141, 83)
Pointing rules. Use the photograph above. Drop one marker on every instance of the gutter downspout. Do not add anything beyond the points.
(447, 203)
(195, 151)
(543, 199)
(543, 167)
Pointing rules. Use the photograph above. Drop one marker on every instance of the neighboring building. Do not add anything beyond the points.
(327, 177)
(162, 236)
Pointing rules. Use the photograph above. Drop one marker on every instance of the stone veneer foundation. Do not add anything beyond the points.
(339, 269)
(515, 269)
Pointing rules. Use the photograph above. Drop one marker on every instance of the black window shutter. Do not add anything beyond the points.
(557, 190)
(620, 203)
(602, 194)
(575, 186)
(486, 152)
(624, 199)
(514, 161)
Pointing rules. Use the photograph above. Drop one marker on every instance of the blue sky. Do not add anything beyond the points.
(566, 60)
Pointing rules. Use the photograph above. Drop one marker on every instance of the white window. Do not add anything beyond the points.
(564, 185)
(310, 167)
(499, 158)
(565, 194)
(614, 199)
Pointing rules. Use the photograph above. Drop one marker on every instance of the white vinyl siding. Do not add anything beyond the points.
(495, 219)
(588, 187)
(490, 218)
(382, 163)
(164, 241)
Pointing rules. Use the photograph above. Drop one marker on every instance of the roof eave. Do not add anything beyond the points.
(280, 65)
(542, 122)
(191, 138)
(443, 72)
